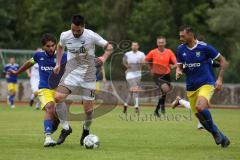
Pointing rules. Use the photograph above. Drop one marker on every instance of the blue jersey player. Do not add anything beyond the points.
(11, 80)
(46, 60)
(195, 58)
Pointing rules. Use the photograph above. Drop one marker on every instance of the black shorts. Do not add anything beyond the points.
(161, 79)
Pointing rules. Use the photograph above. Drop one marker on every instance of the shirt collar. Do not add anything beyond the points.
(193, 46)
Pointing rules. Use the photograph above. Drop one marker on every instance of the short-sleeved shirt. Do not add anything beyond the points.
(197, 64)
(161, 61)
(11, 78)
(46, 65)
(82, 50)
(134, 60)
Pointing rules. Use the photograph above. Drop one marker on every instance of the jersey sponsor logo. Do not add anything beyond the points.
(82, 41)
(46, 68)
(191, 65)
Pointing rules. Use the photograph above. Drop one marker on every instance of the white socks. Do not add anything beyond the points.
(61, 110)
(185, 103)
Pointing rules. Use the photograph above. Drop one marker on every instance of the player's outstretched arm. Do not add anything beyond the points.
(24, 67)
(60, 50)
(223, 65)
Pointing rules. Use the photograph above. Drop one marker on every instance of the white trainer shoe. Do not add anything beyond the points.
(200, 126)
(49, 142)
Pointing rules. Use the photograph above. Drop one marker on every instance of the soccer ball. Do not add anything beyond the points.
(91, 141)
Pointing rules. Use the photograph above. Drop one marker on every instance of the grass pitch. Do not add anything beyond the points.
(173, 137)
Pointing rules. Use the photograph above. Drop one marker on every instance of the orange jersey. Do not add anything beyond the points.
(161, 60)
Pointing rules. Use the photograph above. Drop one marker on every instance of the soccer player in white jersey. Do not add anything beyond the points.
(80, 73)
(133, 61)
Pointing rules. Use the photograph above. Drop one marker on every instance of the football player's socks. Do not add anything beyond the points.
(33, 97)
(88, 121)
(161, 102)
(135, 96)
(48, 127)
(11, 99)
(185, 103)
(61, 110)
(206, 119)
(37, 105)
(128, 99)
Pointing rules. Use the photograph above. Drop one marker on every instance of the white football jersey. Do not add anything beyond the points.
(85, 44)
(81, 53)
(134, 60)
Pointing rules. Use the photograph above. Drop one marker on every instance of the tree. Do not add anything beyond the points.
(224, 22)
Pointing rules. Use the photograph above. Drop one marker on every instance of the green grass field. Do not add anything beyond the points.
(21, 137)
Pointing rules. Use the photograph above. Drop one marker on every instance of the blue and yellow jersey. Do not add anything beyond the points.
(197, 64)
(10, 77)
(46, 65)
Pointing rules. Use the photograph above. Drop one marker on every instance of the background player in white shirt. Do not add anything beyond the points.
(80, 73)
(34, 82)
(133, 61)
(33, 74)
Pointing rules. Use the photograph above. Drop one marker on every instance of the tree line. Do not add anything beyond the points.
(22, 22)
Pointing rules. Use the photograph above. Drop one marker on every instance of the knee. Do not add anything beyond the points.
(165, 88)
(201, 104)
(59, 98)
(50, 108)
(199, 107)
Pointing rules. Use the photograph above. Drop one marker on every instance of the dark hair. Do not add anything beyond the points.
(78, 20)
(48, 37)
(186, 28)
(161, 37)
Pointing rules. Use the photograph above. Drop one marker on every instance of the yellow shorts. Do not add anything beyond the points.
(98, 87)
(12, 87)
(45, 96)
(204, 91)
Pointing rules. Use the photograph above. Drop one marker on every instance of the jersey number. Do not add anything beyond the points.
(82, 50)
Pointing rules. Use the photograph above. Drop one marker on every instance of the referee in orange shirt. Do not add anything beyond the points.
(161, 61)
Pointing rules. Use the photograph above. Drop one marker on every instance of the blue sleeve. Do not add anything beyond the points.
(212, 52)
(35, 57)
(179, 60)
(64, 58)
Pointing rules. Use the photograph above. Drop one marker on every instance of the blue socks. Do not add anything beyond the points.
(206, 120)
(11, 100)
(48, 127)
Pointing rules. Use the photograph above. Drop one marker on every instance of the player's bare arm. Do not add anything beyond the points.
(24, 67)
(179, 71)
(173, 66)
(108, 51)
(28, 71)
(223, 65)
(125, 62)
(60, 51)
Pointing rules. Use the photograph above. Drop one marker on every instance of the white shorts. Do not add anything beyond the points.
(34, 84)
(78, 86)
